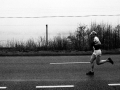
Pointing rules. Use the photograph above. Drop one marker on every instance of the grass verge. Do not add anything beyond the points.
(54, 53)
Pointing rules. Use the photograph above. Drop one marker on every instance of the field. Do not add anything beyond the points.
(29, 73)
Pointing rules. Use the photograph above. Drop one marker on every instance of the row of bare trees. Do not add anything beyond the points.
(79, 40)
(109, 36)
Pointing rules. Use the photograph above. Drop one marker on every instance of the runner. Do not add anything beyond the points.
(96, 53)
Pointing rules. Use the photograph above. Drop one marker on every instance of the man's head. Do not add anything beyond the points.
(93, 33)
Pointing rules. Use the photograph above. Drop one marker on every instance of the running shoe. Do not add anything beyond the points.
(110, 60)
(90, 73)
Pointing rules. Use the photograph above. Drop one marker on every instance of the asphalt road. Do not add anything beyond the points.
(57, 73)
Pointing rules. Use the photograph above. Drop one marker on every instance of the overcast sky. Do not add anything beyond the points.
(25, 28)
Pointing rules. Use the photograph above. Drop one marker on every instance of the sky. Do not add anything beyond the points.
(26, 28)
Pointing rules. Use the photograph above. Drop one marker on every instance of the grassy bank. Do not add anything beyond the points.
(55, 53)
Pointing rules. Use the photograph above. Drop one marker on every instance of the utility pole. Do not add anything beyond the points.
(46, 35)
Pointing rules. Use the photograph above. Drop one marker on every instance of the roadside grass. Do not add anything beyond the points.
(55, 53)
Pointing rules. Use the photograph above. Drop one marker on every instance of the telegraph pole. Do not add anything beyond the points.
(46, 35)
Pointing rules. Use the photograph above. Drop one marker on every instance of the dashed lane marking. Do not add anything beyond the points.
(71, 63)
(115, 84)
(3, 87)
(57, 86)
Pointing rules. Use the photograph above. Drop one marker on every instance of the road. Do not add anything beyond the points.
(57, 73)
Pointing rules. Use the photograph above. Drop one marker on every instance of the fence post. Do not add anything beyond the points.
(46, 35)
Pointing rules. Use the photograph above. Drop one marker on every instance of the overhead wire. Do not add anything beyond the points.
(65, 16)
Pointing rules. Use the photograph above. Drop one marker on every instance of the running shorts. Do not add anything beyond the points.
(97, 52)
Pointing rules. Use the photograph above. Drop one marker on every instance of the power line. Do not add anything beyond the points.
(65, 16)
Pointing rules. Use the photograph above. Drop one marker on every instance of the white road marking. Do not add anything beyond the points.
(117, 84)
(3, 87)
(71, 63)
(58, 86)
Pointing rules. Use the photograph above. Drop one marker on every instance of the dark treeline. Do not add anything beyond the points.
(79, 40)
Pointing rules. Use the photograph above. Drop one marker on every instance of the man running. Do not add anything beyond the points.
(96, 53)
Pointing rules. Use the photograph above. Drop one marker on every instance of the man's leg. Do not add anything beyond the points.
(99, 62)
(93, 57)
(91, 72)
